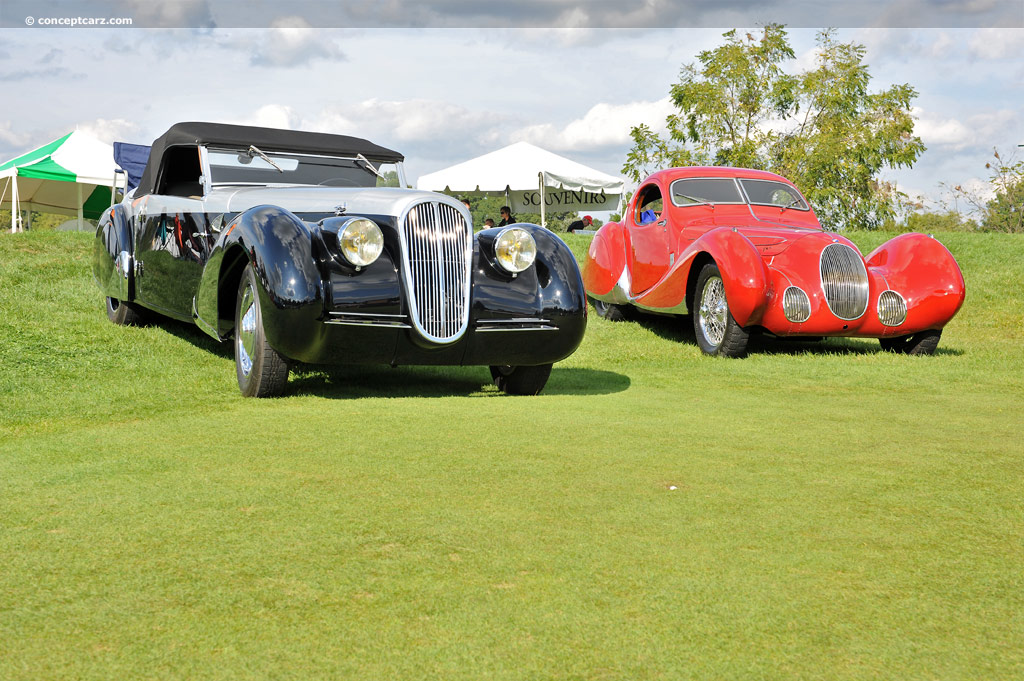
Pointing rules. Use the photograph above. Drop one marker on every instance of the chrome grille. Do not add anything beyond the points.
(844, 280)
(437, 249)
(892, 309)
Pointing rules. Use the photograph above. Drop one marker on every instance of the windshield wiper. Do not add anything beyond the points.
(253, 151)
(794, 202)
(369, 165)
(697, 201)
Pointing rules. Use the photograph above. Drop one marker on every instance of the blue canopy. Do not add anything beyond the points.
(132, 159)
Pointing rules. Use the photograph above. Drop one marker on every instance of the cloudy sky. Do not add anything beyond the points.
(454, 82)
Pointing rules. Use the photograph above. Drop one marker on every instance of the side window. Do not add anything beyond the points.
(181, 173)
(648, 206)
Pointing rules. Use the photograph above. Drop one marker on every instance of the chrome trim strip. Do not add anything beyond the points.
(519, 328)
(522, 320)
(367, 314)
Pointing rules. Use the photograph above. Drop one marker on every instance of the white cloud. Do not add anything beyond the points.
(11, 139)
(603, 125)
(291, 41)
(983, 129)
(412, 120)
(997, 43)
(111, 130)
(273, 116)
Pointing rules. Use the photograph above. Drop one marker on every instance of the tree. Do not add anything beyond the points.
(823, 129)
(1004, 210)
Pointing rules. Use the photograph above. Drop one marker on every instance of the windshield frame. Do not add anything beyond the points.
(739, 192)
(210, 182)
(803, 207)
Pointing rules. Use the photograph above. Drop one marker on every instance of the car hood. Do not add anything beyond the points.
(773, 240)
(364, 200)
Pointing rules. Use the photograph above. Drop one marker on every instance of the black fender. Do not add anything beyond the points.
(278, 244)
(552, 289)
(113, 260)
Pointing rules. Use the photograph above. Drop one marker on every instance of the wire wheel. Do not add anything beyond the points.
(716, 331)
(714, 311)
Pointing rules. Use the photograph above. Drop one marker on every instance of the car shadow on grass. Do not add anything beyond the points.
(375, 380)
(357, 381)
(190, 333)
(680, 329)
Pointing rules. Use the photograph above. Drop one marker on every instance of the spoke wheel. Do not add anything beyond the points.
(524, 380)
(716, 331)
(261, 371)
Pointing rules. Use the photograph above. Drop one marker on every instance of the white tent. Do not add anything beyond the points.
(71, 175)
(534, 180)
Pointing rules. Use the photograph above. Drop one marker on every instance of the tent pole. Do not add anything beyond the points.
(543, 200)
(15, 205)
(81, 207)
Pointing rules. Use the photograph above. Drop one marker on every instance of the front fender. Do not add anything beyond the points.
(743, 271)
(925, 273)
(112, 255)
(278, 245)
(551, 289)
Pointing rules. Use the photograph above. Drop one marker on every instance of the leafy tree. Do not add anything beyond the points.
(1003, 209)
(823, 129)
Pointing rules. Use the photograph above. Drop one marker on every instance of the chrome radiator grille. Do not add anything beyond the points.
(437, 249)
(844, 280)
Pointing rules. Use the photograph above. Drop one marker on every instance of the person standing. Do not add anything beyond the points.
(506, 217)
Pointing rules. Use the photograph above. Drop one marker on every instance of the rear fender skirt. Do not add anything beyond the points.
(113, 255)
(926, 274)
(744, 274)
(278, 244)
(604, 269)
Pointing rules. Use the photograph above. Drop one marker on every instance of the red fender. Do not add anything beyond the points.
(606, 258)
(744, 275)
(925, 273)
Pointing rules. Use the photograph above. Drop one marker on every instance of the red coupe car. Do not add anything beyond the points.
(742, 251)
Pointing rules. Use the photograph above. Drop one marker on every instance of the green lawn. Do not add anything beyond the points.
(814, 511)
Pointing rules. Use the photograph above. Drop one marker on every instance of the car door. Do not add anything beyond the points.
(172, 243)
(652, 247)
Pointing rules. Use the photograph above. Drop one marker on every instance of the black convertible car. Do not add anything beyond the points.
(291, 244)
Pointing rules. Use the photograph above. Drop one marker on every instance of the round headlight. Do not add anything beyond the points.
(515, 249)
(796, 305)
(361, 241)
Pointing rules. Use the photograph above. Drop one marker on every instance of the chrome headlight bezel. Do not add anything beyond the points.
(891, 308)
(796, 305)
(360, 242)
(515, 249)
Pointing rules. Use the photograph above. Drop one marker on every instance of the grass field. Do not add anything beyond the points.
(814, 511)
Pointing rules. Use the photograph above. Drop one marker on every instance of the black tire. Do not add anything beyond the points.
(524, 380)
(716, 331)
(613, 313)
(920, 343)
(124, 314)
(260, 370)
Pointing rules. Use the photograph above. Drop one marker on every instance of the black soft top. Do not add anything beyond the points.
(266, 139)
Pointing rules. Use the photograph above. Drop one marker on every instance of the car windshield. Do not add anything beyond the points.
(702, 191)
(239, 166)
(771, 193)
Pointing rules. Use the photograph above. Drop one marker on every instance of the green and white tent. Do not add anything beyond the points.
(69, 176)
